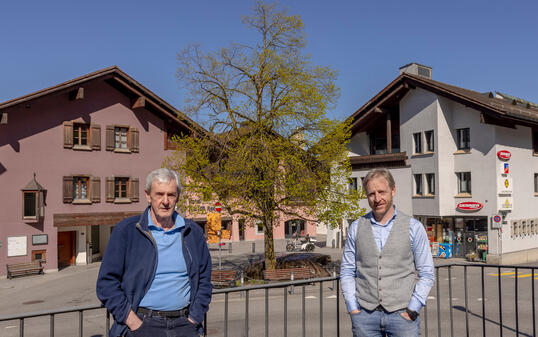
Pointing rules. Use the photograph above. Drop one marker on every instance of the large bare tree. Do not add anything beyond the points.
(271, 149)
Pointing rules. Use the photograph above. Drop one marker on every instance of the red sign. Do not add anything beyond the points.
(504, 154)
(218, 207)
(469, 206)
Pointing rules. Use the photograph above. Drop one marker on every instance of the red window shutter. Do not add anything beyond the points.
(110, 137)
(68, 135)
(95, 189)
(109, 189)
(68, 189)
(134, 139)
(95, 137)
(133, 189)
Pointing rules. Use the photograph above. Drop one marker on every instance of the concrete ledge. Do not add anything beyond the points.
(522, 256)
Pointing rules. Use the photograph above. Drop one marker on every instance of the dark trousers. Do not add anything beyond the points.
(166, 327)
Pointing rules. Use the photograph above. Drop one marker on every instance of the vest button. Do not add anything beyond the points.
(380, 257)
(380, 279)
(380, 300)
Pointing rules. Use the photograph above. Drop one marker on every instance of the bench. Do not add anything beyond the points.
(223, 277)
(286, 274)
(21, 269)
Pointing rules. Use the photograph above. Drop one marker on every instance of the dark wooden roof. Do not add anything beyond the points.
(120, 80)
(496, 110)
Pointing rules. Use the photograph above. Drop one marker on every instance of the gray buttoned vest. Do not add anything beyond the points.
(385, 278)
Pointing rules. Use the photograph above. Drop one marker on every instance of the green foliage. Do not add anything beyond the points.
(270, 150)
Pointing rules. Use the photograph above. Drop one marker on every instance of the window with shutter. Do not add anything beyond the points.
(68, 189)
(110, 137)
(68, 135)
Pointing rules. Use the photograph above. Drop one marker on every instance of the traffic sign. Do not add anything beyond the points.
(497, 219)
(218, 207)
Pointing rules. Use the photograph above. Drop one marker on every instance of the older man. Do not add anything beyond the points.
(155, 277)
(384, 250)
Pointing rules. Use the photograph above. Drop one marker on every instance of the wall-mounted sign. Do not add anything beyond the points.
(505, 168)
(505, 203)
(504, 185)
(16, 245)
(40, 239)
(504, 155)
(469, 206)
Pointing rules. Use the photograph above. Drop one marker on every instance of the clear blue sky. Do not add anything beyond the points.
(479, 45)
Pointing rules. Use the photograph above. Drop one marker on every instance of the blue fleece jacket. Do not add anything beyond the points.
(129, 265)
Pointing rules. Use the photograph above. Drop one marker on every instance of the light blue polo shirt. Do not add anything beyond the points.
(170, 289)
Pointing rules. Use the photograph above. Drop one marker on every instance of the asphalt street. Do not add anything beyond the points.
(75, 286)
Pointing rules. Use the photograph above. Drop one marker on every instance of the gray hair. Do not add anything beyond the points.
(162, 175)
(380, 172)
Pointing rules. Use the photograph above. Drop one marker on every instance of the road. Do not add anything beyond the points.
(75, 286)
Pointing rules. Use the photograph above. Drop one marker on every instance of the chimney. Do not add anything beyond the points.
(417, 69)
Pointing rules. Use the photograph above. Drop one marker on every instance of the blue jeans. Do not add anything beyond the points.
(383, 324)
(166, 327)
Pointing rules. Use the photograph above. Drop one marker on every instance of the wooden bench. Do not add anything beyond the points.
(21, 269)
(223, 277)
(286, 274)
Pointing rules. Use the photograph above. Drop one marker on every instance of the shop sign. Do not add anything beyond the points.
(505, 204)
(505, 168)
(469, 206)
(504, 155)
(504, 185)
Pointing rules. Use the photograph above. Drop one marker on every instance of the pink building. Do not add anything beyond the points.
(73, 162)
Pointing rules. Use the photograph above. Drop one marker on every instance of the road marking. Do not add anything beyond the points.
(10, 326)
(332, 296)
(480, 299)
(310, 297)
(503, 274)
(431, 297)
(522, 275)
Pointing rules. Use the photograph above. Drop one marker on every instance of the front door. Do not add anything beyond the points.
(66, 249)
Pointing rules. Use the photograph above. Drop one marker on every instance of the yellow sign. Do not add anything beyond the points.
(213, 227)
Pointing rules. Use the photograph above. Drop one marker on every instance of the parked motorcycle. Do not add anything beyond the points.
(296, 245)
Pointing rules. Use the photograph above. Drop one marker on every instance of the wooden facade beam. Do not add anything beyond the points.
(77, 94)
(140, 102)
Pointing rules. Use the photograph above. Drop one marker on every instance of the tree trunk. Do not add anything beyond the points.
(269, 244)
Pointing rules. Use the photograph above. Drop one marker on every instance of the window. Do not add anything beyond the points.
(417, 139)
(81, 189)
(464, 182)
(122, 189)
(353, 184)
(121, 138)
(464, 139)
(430, 181)
(30, 205)
(259, 228)
(82, 136)
(418, 184)
(429, 141)
(535, 142)
(536, 183)
(80, 185)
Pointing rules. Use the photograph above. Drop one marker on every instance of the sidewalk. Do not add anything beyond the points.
(75, 285)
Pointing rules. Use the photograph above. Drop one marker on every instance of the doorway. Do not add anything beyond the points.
(66, 249)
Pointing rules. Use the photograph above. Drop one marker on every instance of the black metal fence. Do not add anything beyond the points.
(466, 300)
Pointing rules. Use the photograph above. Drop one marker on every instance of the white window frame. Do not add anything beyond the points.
(430, 184)
(417, 142)
(258, 225)
(461, 176)
(429, 141)
(461, 144)
(418, 183)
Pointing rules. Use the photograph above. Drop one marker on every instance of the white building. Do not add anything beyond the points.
(465, 163)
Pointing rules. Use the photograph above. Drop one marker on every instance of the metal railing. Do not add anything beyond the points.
(456, 306)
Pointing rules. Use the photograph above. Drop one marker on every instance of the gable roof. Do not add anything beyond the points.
(494, 110)
(126, 84)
